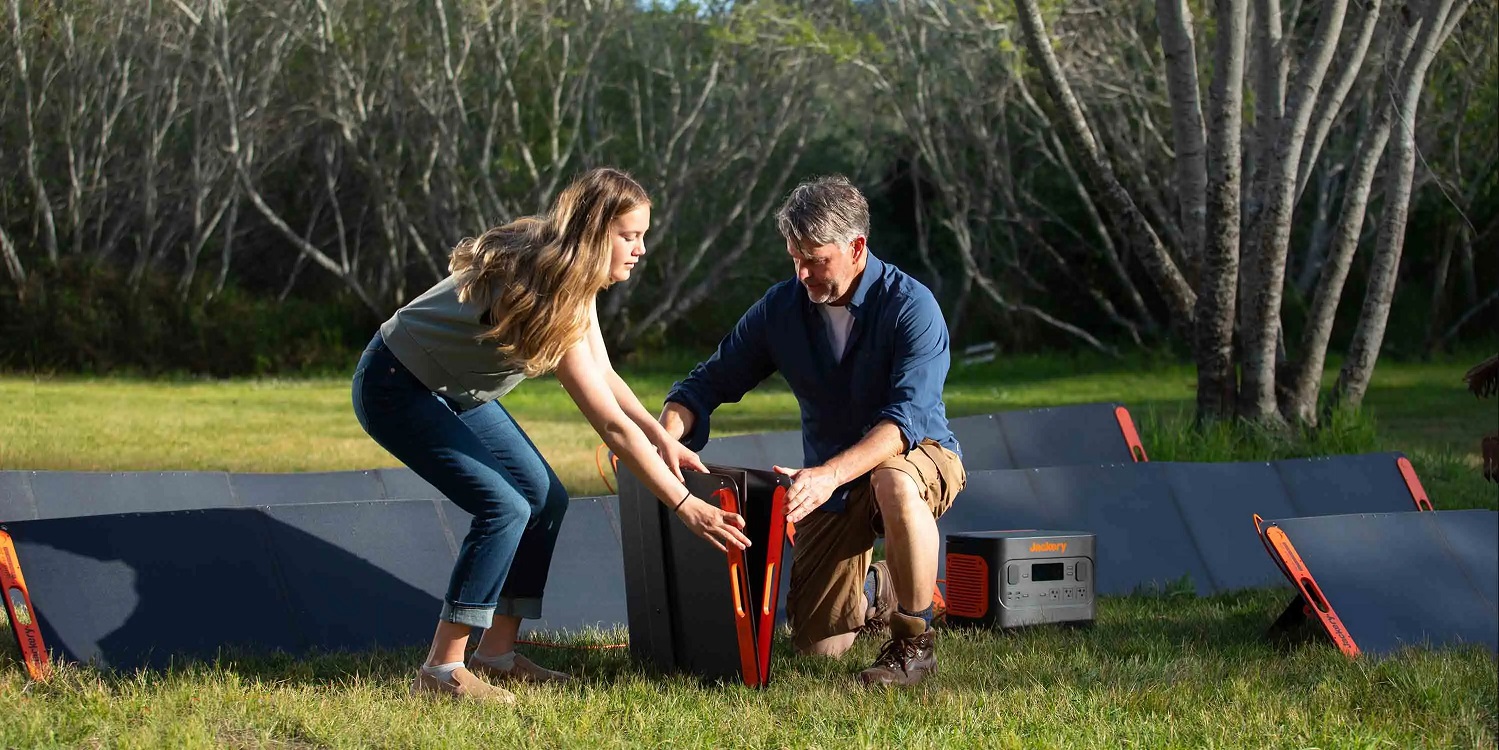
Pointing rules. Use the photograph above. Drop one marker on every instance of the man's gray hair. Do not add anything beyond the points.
(826, 210)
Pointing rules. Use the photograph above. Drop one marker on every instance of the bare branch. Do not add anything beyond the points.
(1180, 298)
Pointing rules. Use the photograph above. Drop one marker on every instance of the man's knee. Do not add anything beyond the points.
(833, 646)
(896, 493)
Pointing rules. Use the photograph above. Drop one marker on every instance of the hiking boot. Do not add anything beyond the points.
(908, 657)
(524, 670)
(462, 684)
(877, 617)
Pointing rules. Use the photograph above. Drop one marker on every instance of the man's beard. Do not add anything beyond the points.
(831, 293)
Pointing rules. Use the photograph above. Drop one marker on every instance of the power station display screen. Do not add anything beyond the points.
(1046, 572)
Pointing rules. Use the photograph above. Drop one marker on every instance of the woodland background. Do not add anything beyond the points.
(226, 188)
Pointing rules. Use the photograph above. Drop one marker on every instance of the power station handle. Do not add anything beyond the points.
(770, 576)
(734, 580)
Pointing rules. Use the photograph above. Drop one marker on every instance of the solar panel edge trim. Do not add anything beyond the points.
(24, 622)
(1301, 576)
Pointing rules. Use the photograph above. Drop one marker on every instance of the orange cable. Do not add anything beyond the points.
(598, 462)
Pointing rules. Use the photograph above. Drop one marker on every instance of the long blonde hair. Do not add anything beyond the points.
(540, 274)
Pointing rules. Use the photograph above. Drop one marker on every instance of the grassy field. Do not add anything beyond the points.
(1170, 670)
(121, 424)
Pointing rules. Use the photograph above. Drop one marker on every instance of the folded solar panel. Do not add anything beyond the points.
(1159, 524)
(1057, 436)
(140, 589)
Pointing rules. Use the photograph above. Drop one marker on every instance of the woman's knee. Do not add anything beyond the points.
(503, 510)
(553, 505)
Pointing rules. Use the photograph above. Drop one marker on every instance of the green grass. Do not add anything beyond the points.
(1170, 670)
(1154, 672)
(125, 424)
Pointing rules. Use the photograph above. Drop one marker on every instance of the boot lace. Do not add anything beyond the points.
(876, 623)
(897, 653)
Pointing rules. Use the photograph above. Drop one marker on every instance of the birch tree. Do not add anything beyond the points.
(717, 117)
(1287, 136)
(972, 122)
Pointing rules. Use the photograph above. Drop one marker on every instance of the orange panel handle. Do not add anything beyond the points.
(1131, 437)
(1413, 483)
(770, 577)
(1302, 578)
(734, 579)
(23, 622)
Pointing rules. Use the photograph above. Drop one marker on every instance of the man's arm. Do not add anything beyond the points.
(811, 487)
(916, 378)
(676, 419)
(742, 360)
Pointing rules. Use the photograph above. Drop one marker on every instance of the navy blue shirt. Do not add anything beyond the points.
(893, 366)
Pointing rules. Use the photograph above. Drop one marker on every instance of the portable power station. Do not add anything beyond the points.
(1010, 579)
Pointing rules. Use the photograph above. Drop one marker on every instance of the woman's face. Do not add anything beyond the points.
(627, 242)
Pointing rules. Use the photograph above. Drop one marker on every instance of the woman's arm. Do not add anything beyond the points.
(676, 455)
(584, 381)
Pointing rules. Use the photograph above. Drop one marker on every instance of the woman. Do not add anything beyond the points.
(519, 302)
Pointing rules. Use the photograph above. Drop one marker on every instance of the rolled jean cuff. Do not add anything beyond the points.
(526, 608)
(477, 617)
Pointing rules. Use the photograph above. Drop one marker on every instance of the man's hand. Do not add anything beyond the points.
(678, 457)
(810, 488)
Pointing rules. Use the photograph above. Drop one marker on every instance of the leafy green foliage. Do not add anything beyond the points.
(84, 319)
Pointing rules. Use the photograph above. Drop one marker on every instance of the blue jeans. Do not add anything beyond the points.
(482, 461)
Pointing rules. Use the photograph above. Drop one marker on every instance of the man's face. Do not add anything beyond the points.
(828, 271)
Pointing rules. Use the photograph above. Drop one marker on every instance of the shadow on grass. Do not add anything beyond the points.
(1139, 644)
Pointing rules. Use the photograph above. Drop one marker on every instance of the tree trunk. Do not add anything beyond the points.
(1470, 277)
(1316, 250)
(1306, 376)
(226, 251)
(1438, 292)
(13, 267)
(960, 308)
(1269, 98)
(1175, 21)
(43, 205)
(1213, 337)
(1363, 351)
(1270, 230)
(1333, 103)
(1180, 299)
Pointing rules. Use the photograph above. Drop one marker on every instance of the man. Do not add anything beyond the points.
(864, 348)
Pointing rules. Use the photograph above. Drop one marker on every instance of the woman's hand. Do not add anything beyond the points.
(678, 457)
(717, 525)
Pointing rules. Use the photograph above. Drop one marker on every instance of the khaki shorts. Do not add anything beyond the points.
(832, 552)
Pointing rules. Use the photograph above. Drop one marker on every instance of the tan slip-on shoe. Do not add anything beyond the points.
(524, 670)
(464, 684)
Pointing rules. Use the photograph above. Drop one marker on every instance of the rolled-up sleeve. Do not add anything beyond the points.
(921, 361)
(742, 360)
